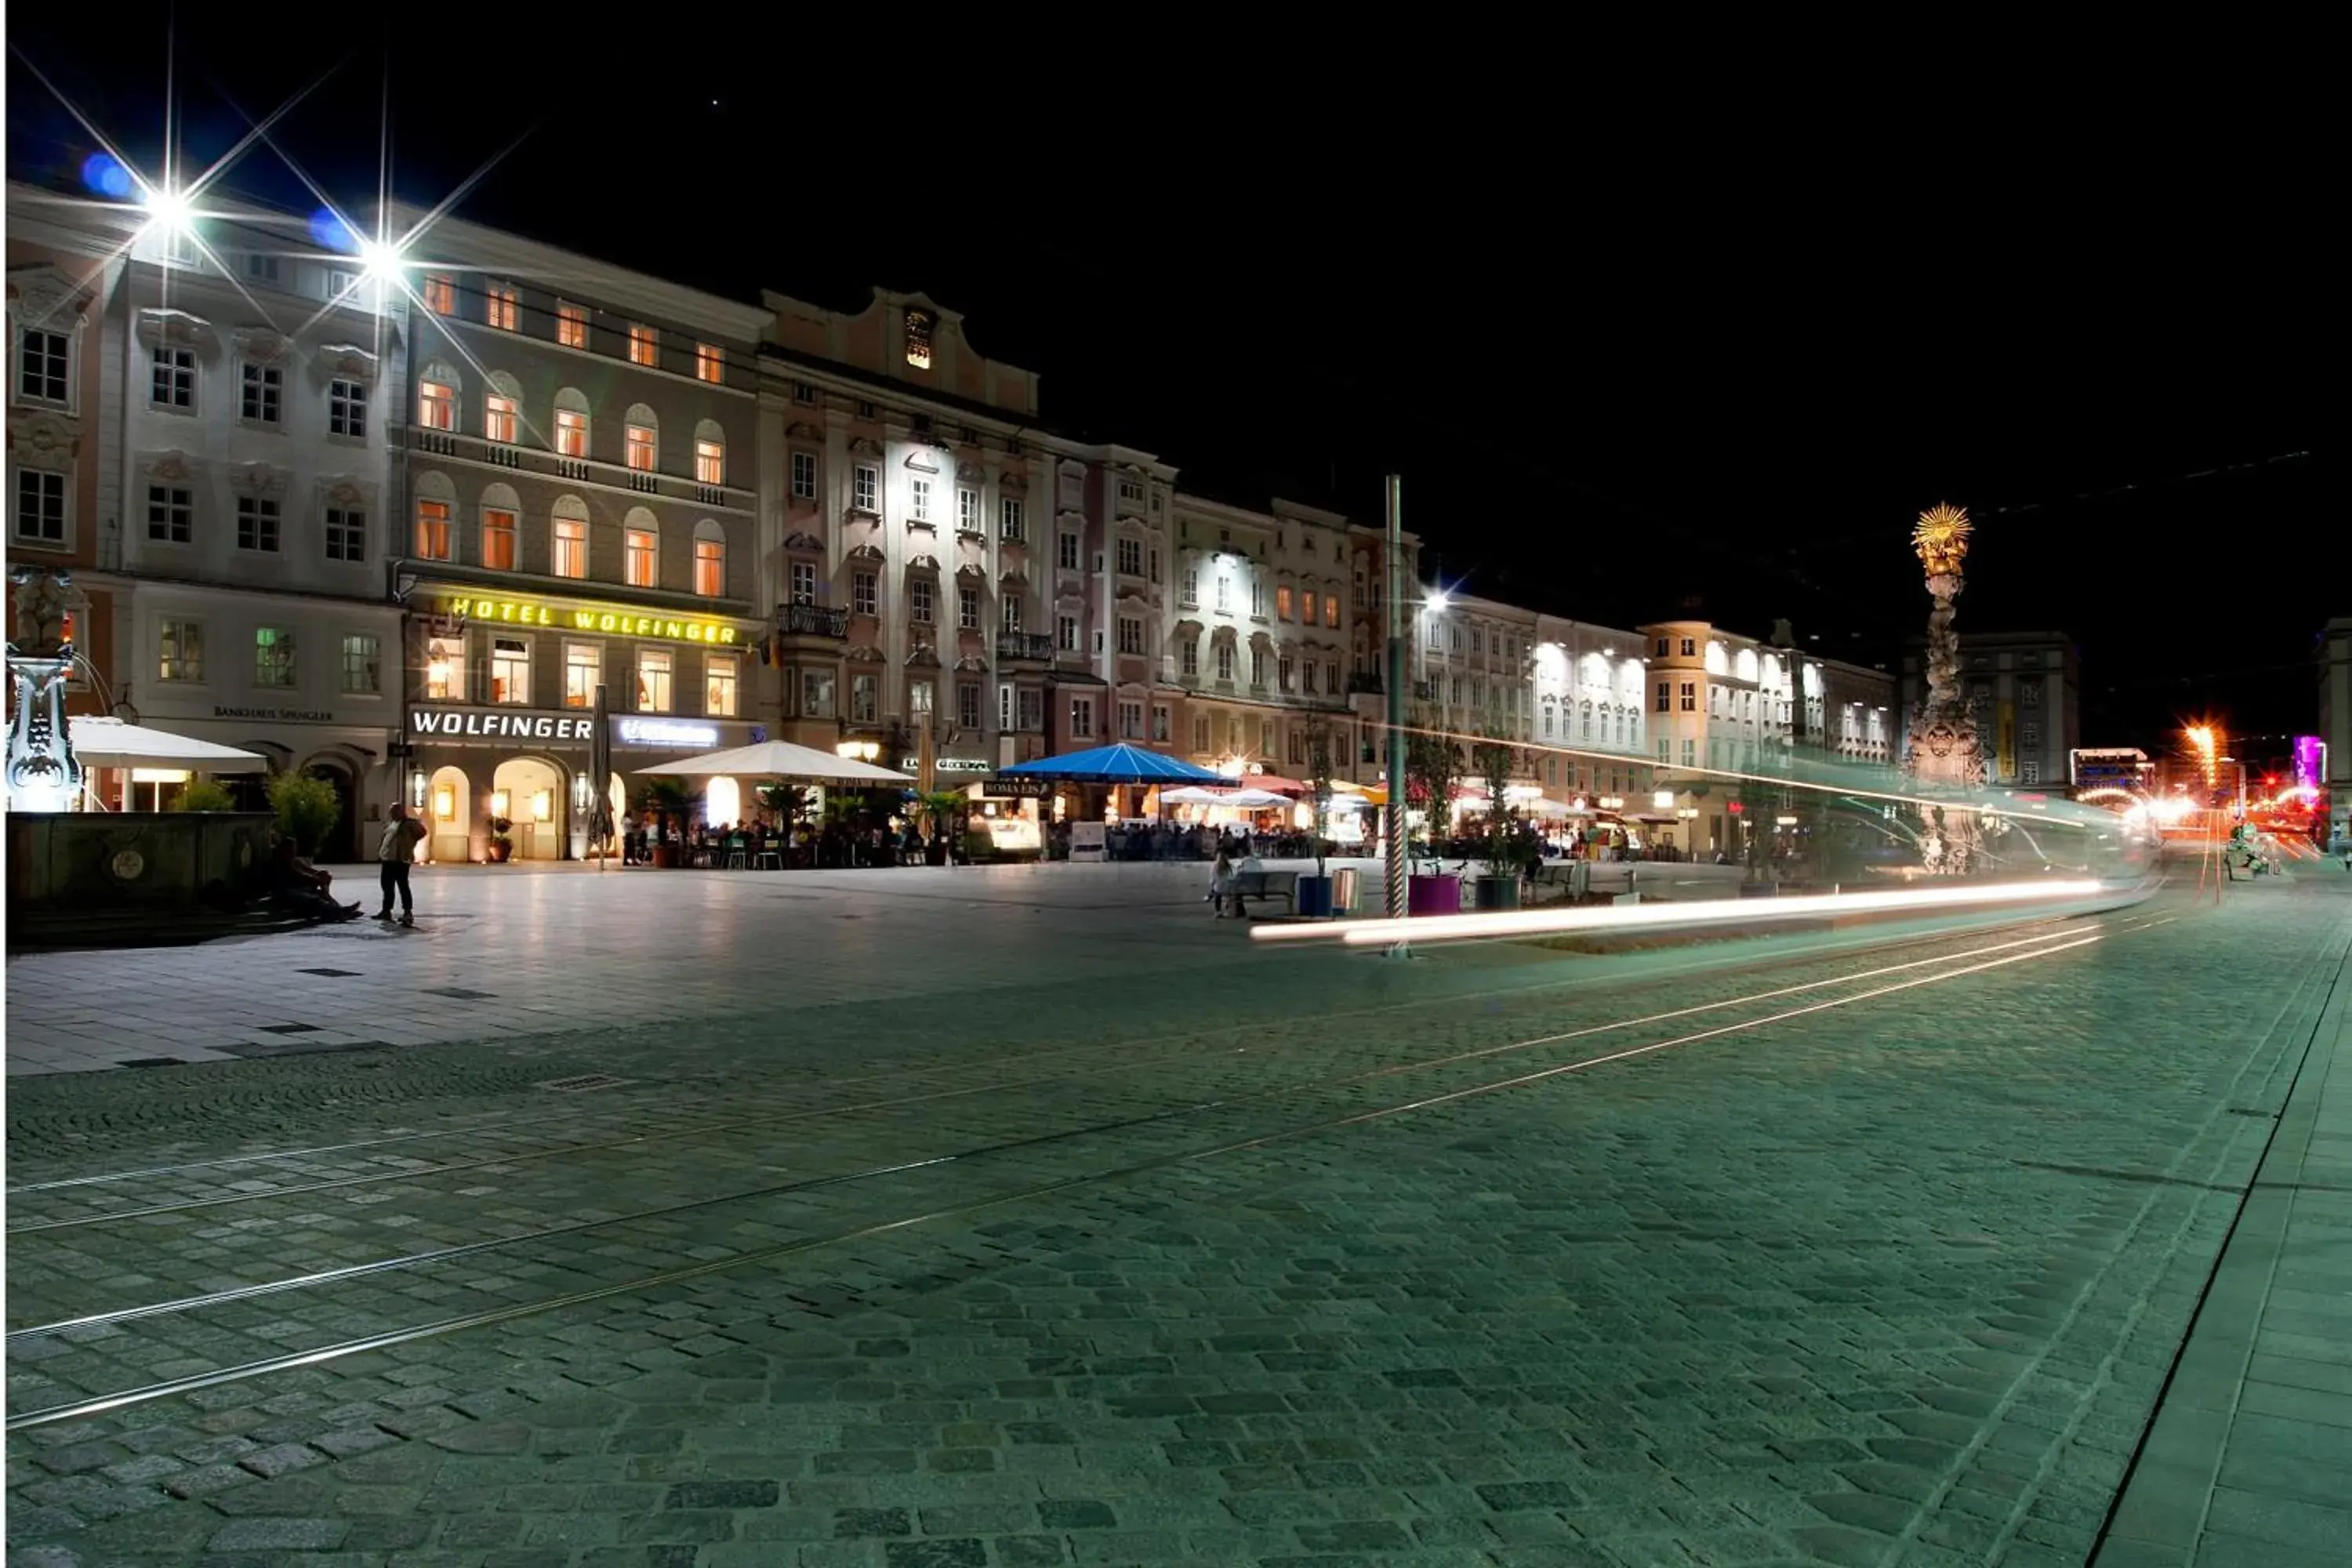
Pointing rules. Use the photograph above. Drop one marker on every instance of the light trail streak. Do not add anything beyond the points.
(1657, 917)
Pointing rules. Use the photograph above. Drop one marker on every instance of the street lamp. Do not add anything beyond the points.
(858, 751)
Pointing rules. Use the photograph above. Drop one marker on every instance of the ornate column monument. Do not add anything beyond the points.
(1944, 748)
(43, 774)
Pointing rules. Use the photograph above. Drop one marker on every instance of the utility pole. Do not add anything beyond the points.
(1394, 821)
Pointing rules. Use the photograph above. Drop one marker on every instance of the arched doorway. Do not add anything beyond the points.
(448, 816)
(342, 844)
(536, 803)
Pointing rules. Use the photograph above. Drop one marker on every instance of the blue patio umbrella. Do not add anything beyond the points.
(1119, 765)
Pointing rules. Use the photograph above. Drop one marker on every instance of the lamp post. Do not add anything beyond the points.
(1393, 820)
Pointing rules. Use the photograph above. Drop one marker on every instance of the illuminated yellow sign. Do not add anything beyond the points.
(615, 623)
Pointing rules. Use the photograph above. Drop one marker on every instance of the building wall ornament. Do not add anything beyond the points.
(44, 296)
(865, 447)
(350, 361)
(922, 461)
(44, 440)
(264, 481)
(161, 326)
(803, 543)
(263, 345)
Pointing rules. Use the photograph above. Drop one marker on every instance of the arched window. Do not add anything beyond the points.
(571, 424)
(641, 439)
(709, 559)
(436, 397)
(641, 549)
(437, 506)
(567, 548)
(709, 453)
(501, 514)
(1745, 666)
(503, 410)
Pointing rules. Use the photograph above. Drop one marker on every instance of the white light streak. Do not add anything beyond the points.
(1651, 916)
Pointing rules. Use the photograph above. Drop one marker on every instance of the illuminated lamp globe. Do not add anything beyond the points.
(379, 263)
(167, 209)
(1438, 600)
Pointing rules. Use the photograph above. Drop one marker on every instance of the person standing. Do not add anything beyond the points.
(397, 851)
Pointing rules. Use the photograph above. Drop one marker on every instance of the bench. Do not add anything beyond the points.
(1248, 885)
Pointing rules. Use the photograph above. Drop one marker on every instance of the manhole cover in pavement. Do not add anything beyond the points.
(332, 973)
(583, 1083)
(288, 1028)
(461, 993)
(155, 1062)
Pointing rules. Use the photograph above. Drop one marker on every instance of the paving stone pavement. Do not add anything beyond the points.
(1895, 1280)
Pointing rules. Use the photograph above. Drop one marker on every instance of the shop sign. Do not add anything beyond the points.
(1014, 788)
(665, 732)
(489, 724)
(585, 618)
(278, 715)
(948, 764)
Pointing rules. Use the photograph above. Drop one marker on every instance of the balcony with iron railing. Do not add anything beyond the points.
(813, 621)
(538, 460)
(1034, 645)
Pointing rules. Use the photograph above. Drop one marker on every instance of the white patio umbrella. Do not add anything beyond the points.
(103, 743)
(779, 760)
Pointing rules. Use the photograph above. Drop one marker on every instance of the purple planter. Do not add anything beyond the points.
(1433, 895)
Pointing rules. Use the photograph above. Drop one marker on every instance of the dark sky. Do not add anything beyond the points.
(1636, 328)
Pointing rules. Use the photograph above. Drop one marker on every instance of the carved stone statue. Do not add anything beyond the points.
(42, 772)
(1945, 748)
(41, 604)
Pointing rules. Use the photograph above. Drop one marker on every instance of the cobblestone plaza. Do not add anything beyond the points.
(1028, 1216)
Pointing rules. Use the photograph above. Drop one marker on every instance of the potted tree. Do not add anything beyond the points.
(1499, 887)
(1432, 767)
(789, 804)
(1314, 895)
(500, 848)
(665, 798)
(942, 810)
(306, 807)
(203, 795)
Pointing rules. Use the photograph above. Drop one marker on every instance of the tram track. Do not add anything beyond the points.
(646, 1132)
(699, 1130)
(918, 1208)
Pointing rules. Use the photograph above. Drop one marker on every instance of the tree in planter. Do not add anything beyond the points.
(1319, 776)
(941, 809)
(790, 801)
(1492, 757)
(1432, 767)
(306, 807)
(204, 795)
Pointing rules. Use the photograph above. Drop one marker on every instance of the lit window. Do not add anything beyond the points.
(1306, 607)
(445, 669)
(918, 501)
(571, 433)
(710, 568)
(173, 384)
(710, 463)
(644, 348)
(41, 366)
(273, 655)
(346, 533)
(864, 597)
(805, 476)
(346, 409)
(570, 559)
(440, 293)
(362, 664)
(1331, 610)
(1282, 603)
(436, 406)
(499, 540)
(180, 650)
(919, 339)
(584, 667)
(433, 529)
(500, 308)
(170, 514)
(500, 418)
(571, 326)
(641, 557)
(652, 680)
(256, 524)
(919, 602)
(720, 674)
(259, 400)
(510, 670)
(710, 364)
(639, 448)
(865, 482)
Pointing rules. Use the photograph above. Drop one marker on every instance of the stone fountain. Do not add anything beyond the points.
(1945, 752)
(43, 774)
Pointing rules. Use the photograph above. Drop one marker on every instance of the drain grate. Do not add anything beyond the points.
(582, 1084)
(459, 993)
(288, 1028)
(332, 973)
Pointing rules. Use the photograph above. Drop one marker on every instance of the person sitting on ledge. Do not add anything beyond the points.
(301, 887)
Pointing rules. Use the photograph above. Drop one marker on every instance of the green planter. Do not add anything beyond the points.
(1496, 893)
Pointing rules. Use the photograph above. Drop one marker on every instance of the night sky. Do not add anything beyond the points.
(1637, 332)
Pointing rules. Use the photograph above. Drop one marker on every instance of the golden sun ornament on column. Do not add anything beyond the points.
(1941, 539)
